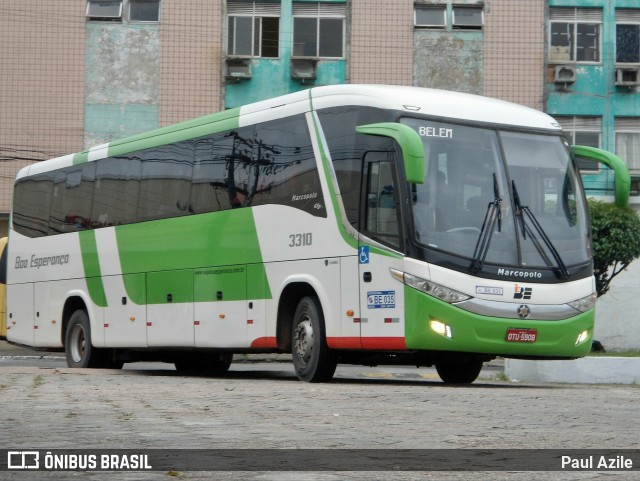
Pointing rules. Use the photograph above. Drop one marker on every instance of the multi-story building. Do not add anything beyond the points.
(77, 73)
(593, 81)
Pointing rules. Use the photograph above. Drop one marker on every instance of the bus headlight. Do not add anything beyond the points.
(440, 328)
(441, 292)
(584, 304)
(583, 336)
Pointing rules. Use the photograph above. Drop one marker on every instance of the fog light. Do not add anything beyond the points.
(440, 328)
(583, 336)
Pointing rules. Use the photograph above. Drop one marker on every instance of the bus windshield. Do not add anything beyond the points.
(499, 197)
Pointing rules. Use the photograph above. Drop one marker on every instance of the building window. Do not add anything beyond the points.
(253, 29)
(430, 16)
(104, 9)
(467, 18)
(318, 30)
(575, 35)
(628, 142)
(144, 10)
(628, 36)
(583, 131)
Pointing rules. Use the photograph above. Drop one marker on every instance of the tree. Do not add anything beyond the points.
(616, 241)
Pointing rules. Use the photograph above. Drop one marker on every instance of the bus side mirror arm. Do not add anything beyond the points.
(622, 180)
(410, 144)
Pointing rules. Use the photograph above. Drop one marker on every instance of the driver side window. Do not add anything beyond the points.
(381, 209)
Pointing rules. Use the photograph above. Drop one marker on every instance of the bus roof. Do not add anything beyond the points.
(413, 100)
(438, 103)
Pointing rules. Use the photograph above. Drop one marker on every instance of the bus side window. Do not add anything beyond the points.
(209, 190)
(381, 216)
(32, 204)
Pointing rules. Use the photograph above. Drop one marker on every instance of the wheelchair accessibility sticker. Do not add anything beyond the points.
(363, 256)
(381, 299)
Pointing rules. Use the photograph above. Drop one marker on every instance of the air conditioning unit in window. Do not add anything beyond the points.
(303, 69)
(564, 74)
(627, 77)
(238, 68)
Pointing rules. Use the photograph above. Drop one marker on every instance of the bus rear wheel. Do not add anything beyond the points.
(312, 359)
(77, 345)
(459, 372)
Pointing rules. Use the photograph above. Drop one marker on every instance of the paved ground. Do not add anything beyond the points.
(48, 406)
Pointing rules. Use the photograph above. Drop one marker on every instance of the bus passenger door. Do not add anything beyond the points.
(381, 296)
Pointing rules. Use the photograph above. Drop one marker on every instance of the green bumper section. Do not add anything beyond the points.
(487, 335)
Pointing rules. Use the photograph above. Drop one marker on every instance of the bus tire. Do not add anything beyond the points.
(77, 343)
(312, 359)
(459, 372)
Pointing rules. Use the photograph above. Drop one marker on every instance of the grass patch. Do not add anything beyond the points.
(37, 381)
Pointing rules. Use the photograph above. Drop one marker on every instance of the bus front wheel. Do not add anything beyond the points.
(459, 372)
(312, 359)
(77, 346)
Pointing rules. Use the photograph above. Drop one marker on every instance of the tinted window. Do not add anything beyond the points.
(209, 183)
(284, 168)
(249, 166)
(72, 199)
(166, 181)
(32, 198)
(347, 149)
(116, 191)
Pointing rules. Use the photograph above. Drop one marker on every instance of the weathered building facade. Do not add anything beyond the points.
(77, 73)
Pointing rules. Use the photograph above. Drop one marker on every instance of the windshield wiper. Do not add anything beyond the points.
(491, 217)
(521, 211)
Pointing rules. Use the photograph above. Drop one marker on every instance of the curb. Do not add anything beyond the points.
(587, 370)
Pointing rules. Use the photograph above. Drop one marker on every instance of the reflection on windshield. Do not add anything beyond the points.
(465, 168)
(450, 206)
(548, 185)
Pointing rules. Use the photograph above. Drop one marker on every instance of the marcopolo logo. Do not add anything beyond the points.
(523, 274)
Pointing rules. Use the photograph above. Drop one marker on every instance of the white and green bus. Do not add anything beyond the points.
(344, 224)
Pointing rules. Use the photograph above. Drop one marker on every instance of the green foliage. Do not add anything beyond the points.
(616, 241)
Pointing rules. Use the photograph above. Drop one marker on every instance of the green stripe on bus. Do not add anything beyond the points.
(211, 124)
(91, 265)
(485, 334)
(200, 243)
(81, 157)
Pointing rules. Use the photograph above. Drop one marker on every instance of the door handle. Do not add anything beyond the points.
(366, 277)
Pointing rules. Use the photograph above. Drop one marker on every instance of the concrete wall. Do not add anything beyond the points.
(449, 59)
(122, 80)
(617, 320)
